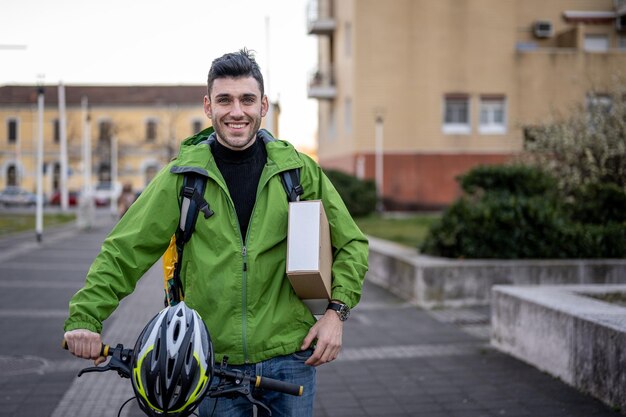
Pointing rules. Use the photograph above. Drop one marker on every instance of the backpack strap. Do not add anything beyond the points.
(291, 182)
(192, 203)
(291, 178)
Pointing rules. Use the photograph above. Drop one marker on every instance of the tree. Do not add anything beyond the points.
(589, 147)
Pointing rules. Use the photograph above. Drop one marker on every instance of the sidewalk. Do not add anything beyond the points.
(397, 360)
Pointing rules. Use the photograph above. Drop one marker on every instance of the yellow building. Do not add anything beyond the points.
(145, 124)
(445, 85)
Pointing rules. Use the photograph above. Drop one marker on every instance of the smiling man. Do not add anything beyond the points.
(236, 107)
(233, 271)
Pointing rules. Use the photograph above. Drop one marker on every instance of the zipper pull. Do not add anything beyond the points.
(244, 252)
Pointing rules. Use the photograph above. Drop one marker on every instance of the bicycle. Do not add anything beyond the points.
(233, 383)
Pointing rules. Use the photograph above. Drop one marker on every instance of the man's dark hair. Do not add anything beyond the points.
(235, 64)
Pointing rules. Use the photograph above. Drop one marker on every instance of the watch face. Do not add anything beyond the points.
(344, 313)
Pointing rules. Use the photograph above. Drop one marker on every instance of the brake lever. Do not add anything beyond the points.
(120, 361)
(94, 369)
(239, 387)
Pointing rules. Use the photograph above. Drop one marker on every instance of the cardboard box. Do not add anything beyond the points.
(309, 254)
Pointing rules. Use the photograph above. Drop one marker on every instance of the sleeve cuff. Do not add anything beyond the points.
(82, 325)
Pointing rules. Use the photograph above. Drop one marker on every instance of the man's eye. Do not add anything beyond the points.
(223, 100)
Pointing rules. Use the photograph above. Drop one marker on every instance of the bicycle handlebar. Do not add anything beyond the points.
(280, 386)
(122, 358)
(260, 382)
(105, 350)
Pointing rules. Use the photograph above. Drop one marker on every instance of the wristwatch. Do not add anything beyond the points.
(343, 311)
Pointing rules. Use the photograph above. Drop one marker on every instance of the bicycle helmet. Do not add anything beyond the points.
(173, 363)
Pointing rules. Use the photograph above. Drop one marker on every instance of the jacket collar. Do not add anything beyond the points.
(195, 153)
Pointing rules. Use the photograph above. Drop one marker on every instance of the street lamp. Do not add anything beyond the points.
(39, 166)
(379, 162)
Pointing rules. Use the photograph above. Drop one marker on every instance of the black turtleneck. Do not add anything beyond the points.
(241, 171)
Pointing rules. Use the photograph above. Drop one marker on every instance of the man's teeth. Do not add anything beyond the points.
(236, 126)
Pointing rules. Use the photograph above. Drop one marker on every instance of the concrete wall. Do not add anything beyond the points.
(565, 333)
(435, 282)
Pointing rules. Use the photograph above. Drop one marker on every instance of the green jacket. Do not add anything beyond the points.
(240, 289)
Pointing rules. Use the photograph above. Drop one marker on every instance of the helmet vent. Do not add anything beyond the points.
(170, 367)
(176, 330)
(157, 350)
(157, 385)
(189, 354)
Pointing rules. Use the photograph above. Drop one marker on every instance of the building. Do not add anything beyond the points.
(447, 85)
(142, 125)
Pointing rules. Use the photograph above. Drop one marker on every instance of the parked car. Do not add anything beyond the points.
(72, 197)
(16, 196)
(105, 191)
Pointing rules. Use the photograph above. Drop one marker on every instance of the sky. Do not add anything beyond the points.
(162, 42)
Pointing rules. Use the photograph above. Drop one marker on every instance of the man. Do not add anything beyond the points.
(234, 265)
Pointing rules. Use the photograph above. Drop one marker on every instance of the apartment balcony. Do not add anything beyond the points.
(322, 85)
(320, 19)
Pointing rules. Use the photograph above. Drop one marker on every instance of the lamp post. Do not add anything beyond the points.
(113, 206)
(379, 162)
(63, 147)
(39, 169)
(85, 211)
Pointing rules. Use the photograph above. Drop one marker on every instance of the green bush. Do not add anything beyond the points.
(595, 240)
(358, 195)
(514, 179)
(513, 212)
(498, 225)
(599, 204)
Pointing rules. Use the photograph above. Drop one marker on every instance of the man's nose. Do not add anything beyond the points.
(237, 109)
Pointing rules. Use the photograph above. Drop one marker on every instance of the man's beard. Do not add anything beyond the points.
(236, 144)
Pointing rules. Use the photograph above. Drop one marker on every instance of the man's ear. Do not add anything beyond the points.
(264, 106)
(207, 106)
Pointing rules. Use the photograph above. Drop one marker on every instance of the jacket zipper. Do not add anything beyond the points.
(244, 280)
(244, 283)
(244, 302)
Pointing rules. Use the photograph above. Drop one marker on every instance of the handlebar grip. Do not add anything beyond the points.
(280, 386)
(105, 350)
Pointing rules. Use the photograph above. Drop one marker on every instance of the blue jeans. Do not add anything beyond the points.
(288, 368)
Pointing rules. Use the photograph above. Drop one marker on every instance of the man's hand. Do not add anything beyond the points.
(85, 344)
(328, 331)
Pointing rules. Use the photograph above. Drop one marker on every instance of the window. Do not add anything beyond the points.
(599, 103)
(598, 108)
(12, 130)
(105, 130)
(456, 117)
(621, 42)
(492, 115)
(196, 126)
(596, 43)
(348, 115)
(151, 130)
(57, 132)
(11, 175)
(150, 172)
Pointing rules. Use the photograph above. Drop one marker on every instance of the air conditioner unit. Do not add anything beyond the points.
(620, 23)
(542, 29)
